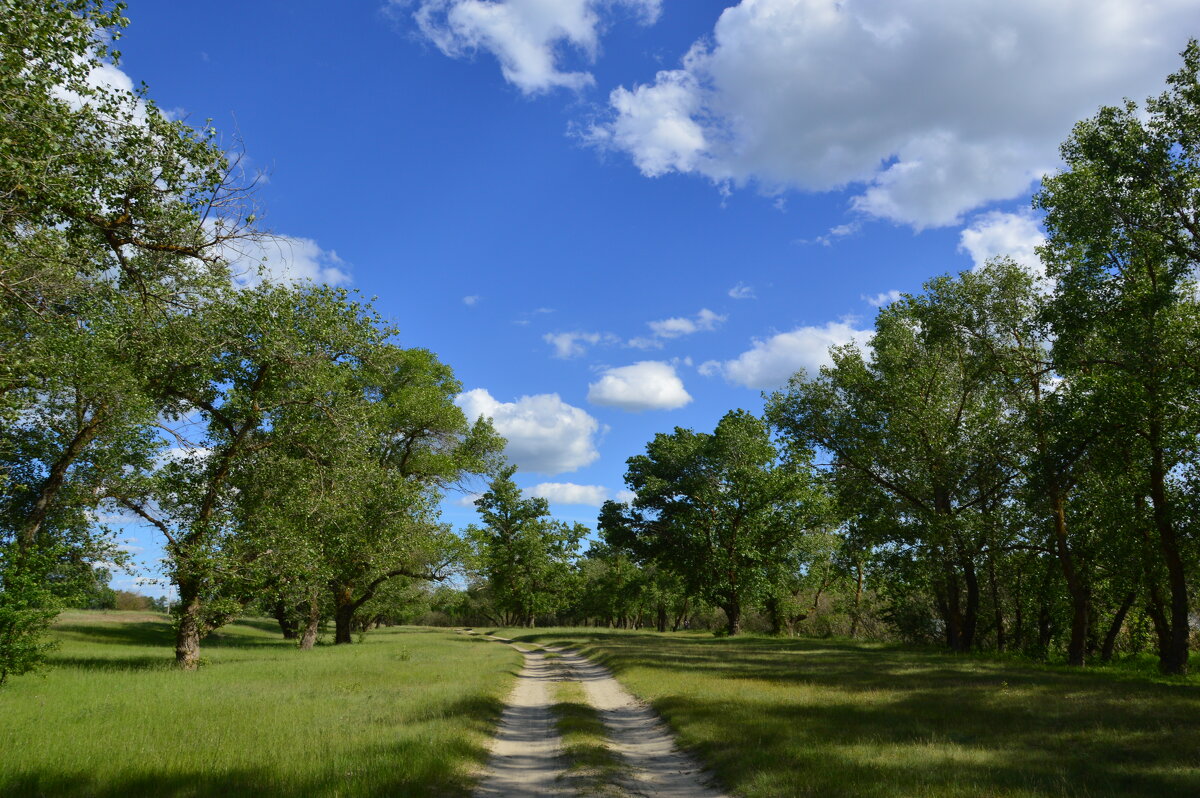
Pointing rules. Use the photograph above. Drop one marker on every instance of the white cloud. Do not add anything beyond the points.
(545, 434)
(1015, 235)
(879, 300)
(626, 496)
(704, 321)
(471, 301)
(570, 493)
(527, 37)
(648, 385)
(742, 291)
(929, 108)
(468, 500)
(574, 344)
(280, 258)
(769, 363)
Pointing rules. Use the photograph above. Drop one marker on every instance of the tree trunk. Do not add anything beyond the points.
(1175, 659)
(733, 612)
(775, 614)
(661, 621)
(287, 624)
(997, 608)
(858, 589)
(1114, 629)
(188, 631)
(343, 616)
(971, 616)
(1077, 647)
(312, 623)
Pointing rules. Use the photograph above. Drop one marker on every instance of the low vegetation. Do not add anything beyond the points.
(408, 712)
(828, 718)
(591, 766)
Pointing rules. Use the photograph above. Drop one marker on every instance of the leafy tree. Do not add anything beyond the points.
(1123, 244)
(718, 509)
(112, 222)
(526, 556)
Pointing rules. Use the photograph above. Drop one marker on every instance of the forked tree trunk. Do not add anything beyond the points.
(312, 623)
(1114, 629)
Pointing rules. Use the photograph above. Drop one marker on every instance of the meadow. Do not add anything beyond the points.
(406, 712)
(801, 717)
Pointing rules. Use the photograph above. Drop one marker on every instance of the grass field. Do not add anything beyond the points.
(791, 717)
(407, 712)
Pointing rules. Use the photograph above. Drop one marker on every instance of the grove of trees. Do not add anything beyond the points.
(1011, 463)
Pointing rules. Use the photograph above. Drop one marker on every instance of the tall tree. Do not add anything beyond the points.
(1124, 244)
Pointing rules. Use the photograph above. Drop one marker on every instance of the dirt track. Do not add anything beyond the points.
(526, 756)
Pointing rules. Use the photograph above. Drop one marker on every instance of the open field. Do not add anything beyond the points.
(407, 712)
(791, 717)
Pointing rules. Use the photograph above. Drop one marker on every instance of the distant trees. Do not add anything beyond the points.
(721, 510)
(526, 557)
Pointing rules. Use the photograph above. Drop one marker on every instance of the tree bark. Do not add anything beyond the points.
(1175, 659)
(344, 608)
(312, 623)
(189, 629)
(1114, 629)
(733, 612)
(287, 624)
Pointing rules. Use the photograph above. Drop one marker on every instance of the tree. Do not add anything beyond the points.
(719, 509)
(112, 221)
(347, 500)
(1123, 243)
(526, 556)
(917, 431)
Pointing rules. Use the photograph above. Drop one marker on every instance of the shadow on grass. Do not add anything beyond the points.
(137, 633)
(163, 662)
(803, 717)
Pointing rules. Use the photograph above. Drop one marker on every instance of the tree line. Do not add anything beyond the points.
(1011, 464)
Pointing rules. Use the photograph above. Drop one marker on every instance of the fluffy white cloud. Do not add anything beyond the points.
(626, 496)
(570, 493)
(280, 258)
(574, 344)
(930, 107)
(704, 321)
(648, 385)
(545, 434)
(527, 37)
(1013, 234)
(879, 300)
(769, 363)
(742, 291)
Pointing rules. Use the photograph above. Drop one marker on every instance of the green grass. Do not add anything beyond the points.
(408, 712)
(793, 717)
(592, 767)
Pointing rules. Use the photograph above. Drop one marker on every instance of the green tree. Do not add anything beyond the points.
(719, 509)
(1123, 245)
(526, 556)
(112, 220)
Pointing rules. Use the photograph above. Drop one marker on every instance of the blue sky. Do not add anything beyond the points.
(614, 217)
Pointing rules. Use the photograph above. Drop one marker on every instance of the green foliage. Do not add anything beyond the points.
(726, 512)
(526, 557)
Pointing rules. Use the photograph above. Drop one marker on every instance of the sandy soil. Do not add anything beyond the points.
(526, 751)
(526, 758)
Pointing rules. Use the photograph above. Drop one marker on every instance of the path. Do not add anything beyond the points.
(526, 758)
